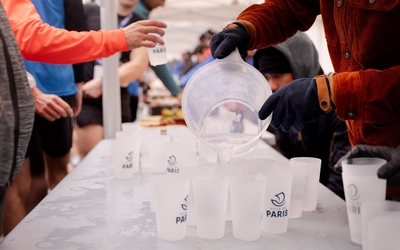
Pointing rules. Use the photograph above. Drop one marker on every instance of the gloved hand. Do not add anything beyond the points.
(225, 42)
(294, 105)
(391, 155)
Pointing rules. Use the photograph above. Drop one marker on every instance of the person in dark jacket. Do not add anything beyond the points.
(327, 137)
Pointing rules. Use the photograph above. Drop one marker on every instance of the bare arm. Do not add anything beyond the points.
(133, 70)
(128, 72)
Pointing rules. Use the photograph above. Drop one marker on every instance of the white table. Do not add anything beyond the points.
(91, 210)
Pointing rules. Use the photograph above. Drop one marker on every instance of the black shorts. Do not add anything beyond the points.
(56, 136)
(92, 110)
(35, 154)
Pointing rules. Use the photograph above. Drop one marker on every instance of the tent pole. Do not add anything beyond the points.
(111, 88)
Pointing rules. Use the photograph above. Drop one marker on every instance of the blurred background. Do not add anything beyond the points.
(188, 19)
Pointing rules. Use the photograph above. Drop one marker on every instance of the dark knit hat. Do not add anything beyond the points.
(271, 60)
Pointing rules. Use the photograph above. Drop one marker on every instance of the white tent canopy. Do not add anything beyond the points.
(188, 19)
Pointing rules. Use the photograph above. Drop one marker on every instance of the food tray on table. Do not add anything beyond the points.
(168, 116)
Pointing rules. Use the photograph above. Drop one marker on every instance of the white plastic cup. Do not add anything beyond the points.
(158, 54)
(260, 164)
(239, 164)
(150, 131)
(210, 196)
(135, 138)
(276, 211)
(383, 232)
(123, 135)
(145, 134)
(123, 154)
(157, 153)
(207, 153)
(375, 209)
(236, 166)
(361, 183)
(193, 172)
(193, 147)
(247, 200)
(130, 127)
(176, 156)
(177, 129)
(313, 171)
(298, 186)
(170, 194)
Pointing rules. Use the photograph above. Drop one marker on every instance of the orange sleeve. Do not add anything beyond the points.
(44, 43)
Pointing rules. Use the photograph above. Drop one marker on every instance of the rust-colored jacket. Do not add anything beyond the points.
(363, 39)
(41, 42)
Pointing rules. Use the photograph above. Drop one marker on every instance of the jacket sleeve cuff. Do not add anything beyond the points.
(250, 29)
(116, 36)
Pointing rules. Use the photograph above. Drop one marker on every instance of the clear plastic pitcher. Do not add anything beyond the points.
(221, 101)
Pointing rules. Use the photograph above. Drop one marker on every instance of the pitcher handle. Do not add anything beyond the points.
(233, 57)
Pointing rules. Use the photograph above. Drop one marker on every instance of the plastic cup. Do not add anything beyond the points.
(210, 196)
(260, 164)
(177, 129)
(123, 135)
(247, 194)
(298, 186)
(207, 153)
(131, 127)
(313, 166)
(193, 147)
(176, 156)
(193, 172)
(157, 153)
(135, 138)
(150, 131)
(383, 232)
(170, 194)
(145, 134)
(276, 211)
(123, 154)
(361, 184)
(158, 54)
(375, 209)
(237, 166)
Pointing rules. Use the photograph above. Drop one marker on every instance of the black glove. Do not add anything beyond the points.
(225, 42)
(294, 105)
(391, 155)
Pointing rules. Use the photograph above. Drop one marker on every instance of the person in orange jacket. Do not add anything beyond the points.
(41, 42)
(67, 47)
